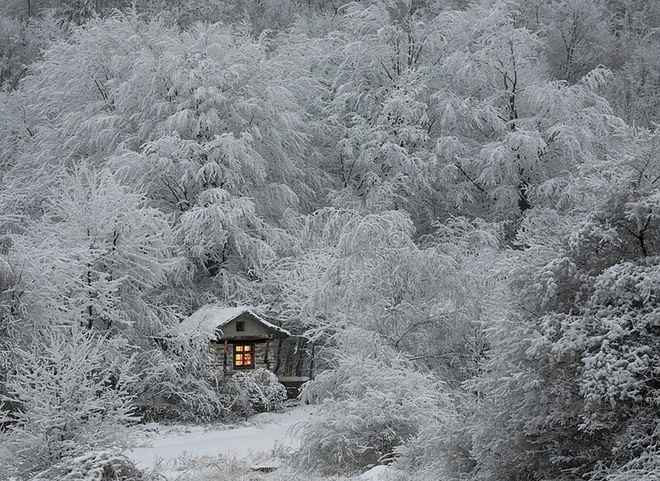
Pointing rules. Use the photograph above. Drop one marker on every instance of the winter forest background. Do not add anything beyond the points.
(456, 200)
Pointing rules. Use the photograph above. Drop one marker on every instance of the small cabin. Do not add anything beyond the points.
(239, 338)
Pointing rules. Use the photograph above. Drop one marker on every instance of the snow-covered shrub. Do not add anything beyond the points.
(70, 400)
(644, 468)
(369, 407)
(93, 466)
(255, 391)
(174, 384)
(189, 467)
(442, 447)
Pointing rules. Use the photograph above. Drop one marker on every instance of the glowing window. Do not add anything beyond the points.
(243, 356)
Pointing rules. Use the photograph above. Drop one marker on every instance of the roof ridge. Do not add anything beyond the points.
(211, 317)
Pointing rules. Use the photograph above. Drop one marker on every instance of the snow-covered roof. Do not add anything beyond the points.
(208, 319)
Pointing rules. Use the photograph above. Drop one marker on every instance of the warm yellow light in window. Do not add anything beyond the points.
(243, 355)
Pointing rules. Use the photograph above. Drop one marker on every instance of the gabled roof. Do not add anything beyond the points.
(208, 319)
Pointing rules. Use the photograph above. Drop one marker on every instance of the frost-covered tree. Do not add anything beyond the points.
(505, 127)
(66, 397)
(206, 122)
(450, 112)
(618, 34)
(77, 11)
(572, 383)
(93, 257)
(366, 272)
(577, 35)
(100, 259)
(225, 155)
(374, 111)
(61, 113)
(396, 330)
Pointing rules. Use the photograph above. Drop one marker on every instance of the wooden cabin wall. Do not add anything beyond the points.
(261, 359)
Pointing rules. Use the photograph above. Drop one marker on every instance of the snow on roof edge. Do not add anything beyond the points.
(207, 319)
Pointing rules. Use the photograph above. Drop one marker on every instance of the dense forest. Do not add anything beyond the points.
(455, 201)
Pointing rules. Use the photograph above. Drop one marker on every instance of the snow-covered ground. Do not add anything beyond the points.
(253, 450)
(264, 433)
(172, 451)
(245, 452)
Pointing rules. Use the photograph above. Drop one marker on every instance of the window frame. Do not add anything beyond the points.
(235, 354)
